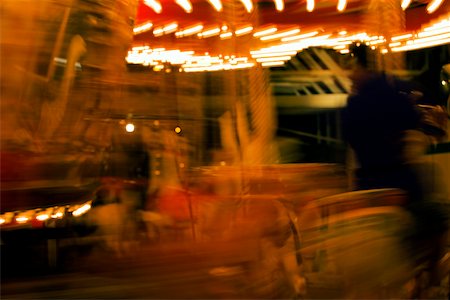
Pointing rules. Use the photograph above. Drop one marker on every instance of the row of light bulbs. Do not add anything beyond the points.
(285, 44)
(43, 214)
(186, 5)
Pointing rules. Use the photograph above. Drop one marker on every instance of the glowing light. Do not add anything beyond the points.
(300, 36)
(170, 28)
(22, 219)
(344, 51)
(342, 4)
(244, 30)
(280, 34)
(190, 30)
(275, 58)
(223, 163)
(248, 4)
(272, 63)
(443, 82)
(59, 213)
(217, 4)
(437, 31)
(142, 28)
(310, 5)
(155, 5)
(265, 32)
(279, 5)
(42, 217)
(401, 37)
(433, 5)
(256, 54)
(82, 210)
(178, 129)
(129, 127)
(209, 32)
(422, 43)
(394, 44)
(158, 31)
(185, 4)
(442, 24)
(405, 4)
(2, 221)
(226, 35)
(342, 32)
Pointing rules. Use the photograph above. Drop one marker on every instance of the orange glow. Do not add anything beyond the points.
(155, 5)
(226, 35)
(433, 5)
(264, 32)
(217, 4)
(142, 28)
(185, 4)
(22, 219)
(310, 5)
(209, 32)
(279, 5)
(280, 34)
(405, 4)
(189, 31)
(248, 4)
(342, 4)
(244, 30)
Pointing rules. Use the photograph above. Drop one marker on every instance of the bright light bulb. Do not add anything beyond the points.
(129, 127)
(405, 4)
(433, 5)
(216, 4)
(341, 5)
(279, 5)
(310, 5)
(178, 129)
(185, 4)
(42, 217)
(155, 5)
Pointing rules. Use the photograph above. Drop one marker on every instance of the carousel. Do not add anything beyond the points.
(141, 122)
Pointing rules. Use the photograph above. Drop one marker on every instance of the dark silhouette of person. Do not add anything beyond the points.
(380, 112)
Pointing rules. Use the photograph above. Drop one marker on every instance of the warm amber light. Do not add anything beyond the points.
(433, 5)
(155, 5)
(280, 34)
(129, 127)
(342, 4)
(42, 217)
(22, 219)
(279, 5)
(405, 4)
(310, 5)
(217, 4)
(185, 4)
(82, 210)
(248, 4)
(226, 35)
(244, 30)
(178, 129)
(142, 28)
(265, 31)
(209, 32)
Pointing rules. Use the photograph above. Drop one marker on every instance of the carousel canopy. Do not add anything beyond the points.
(202, 35)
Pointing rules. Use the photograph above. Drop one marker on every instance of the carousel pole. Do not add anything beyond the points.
(385, 18)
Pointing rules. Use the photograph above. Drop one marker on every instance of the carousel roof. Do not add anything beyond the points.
(208, 35)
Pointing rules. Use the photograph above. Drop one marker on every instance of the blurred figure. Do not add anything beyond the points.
(378, 122)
